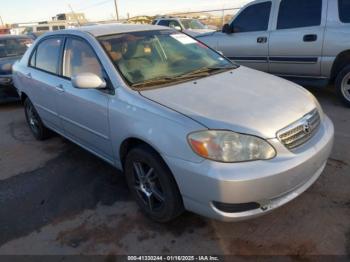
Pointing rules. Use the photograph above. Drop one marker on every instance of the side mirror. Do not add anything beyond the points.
(227, 29)
(88, 81)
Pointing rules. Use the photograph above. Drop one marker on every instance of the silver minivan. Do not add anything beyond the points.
(190, 129)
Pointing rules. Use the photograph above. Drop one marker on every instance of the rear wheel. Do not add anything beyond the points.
(152, 185)
(37, 127)
(343, 85)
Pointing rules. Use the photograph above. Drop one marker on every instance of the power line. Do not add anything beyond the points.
(75, 16)
(94, 5)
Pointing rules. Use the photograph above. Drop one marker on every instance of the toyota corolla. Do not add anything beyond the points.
(190, 129)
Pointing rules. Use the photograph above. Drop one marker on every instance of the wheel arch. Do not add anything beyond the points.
(132, 142)
(128, 144)
(342, 60)
(23, 97)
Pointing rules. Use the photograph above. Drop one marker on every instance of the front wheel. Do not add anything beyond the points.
(152, 185)
(342, 84)
(37, 127)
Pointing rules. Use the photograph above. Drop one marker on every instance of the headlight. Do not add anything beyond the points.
(230, 147)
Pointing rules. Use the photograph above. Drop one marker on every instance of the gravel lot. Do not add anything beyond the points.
(55, 198)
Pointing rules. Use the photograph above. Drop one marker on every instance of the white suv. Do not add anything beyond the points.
(305, 41)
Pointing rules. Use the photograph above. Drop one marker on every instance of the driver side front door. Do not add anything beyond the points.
(84, 112)
(249, 42)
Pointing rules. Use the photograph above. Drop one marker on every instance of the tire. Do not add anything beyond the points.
(39, 131)
(157, 193)
(342, 84)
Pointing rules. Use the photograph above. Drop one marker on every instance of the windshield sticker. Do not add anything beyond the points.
(183, 39)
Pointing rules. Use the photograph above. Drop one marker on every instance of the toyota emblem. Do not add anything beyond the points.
(307, 128)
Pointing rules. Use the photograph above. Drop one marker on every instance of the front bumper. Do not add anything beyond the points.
(271, 183)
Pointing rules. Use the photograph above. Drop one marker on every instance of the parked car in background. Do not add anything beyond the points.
(189, 26)
(305, 41)
(11, 49)
(178, 118)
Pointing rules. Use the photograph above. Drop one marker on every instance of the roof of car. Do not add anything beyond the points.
(173, 17)
(110, 29)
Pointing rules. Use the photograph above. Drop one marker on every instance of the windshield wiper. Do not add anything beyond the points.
(202, 72)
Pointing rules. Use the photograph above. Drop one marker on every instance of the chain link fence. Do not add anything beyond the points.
(213, 18)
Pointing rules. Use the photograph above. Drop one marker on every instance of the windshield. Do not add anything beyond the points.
(152, 58)
(192, 24)
(14, 47)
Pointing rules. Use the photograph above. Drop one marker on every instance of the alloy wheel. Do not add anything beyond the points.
(345, 87)
(148, 187)
(32, 118)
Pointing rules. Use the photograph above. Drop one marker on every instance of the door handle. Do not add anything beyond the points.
(262, 40)
(60, 88)
(29, 75)
(310, 38)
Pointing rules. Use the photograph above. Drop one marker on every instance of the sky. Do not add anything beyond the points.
(15, 11)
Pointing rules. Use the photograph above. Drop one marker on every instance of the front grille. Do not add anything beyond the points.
(300, 132)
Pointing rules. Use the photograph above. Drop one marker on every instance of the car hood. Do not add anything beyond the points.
(210, 33)
(243, 100)
(197, 32)
(4, 62)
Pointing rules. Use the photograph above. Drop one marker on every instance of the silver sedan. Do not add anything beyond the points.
(190, 129)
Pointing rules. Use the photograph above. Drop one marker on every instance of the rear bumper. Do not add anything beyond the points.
(271, 184)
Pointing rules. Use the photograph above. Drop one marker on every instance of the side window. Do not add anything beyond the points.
(253, 18)
(43, 28)
(344, 11)
(164, 23)
(47, 55)
(174, 23)
(80, 58)
(299, 13)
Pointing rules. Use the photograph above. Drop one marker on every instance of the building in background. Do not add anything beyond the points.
(58, 22)
(71, 18)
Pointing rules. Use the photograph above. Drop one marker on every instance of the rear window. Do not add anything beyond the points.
(47, 55)
(299, 13)
(14, 47)
(344, 11)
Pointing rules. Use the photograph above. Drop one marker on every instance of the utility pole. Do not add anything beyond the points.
(2, 22)
(116, 9)
(75, 16)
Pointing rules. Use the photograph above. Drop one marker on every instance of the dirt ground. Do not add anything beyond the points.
(56, 198)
